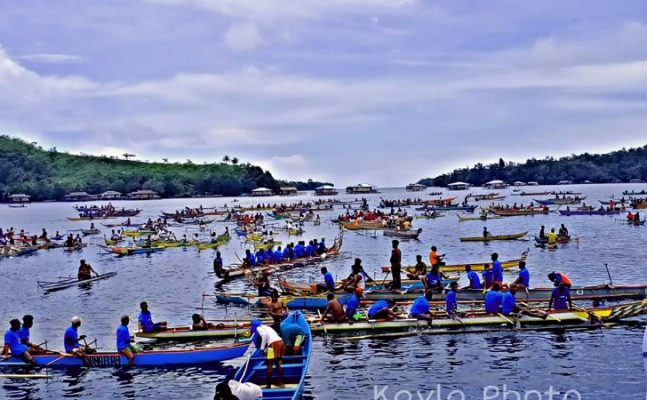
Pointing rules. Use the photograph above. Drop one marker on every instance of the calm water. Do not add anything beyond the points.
(598, 364)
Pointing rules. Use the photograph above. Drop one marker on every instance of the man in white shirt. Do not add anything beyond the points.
(271, 342)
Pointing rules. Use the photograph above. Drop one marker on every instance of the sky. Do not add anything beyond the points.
(378, 91)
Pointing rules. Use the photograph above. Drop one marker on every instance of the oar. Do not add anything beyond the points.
(609, 274)
(512, 321)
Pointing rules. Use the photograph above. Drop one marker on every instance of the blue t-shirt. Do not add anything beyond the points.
(377, 307)
(497, 271)
(493, 301)
(507, 303)
(450, 302)
(434, 279)
(475, 283)
(322, 247)
(352, 306)
(488, 277)
(308, 251)
(251, 259)
(71, 339)
(260, 257)
(12, 340)
(23, 334)
(286, 253)
(123, 337)
(146, 319)
(330, 281)
(278, 256)
(524, 277)
(420, 306)
(299, 251)
(560, 301)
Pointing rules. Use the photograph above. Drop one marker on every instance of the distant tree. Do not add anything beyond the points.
(225, 159)
(501, 163)
(234, 160)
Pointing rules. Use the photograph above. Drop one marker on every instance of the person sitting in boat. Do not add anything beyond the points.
(382, 309)
(263, 284)
(451, 304)
(23, 334)
(558, 278)
(542, 233)
(488, 276)
(200, 324)
(114, 236)
(145, 320)
(485, 232)
(435, 258)
(71, 341)
(12, 342)
(493, 299)
(43, 235)
(277, 310)
(355, 279)
(125, 345)
(334, 311)
(630, 217)
(352, 306)
(250, 260)
(322, 246)
(309, 250)
(267, 340)
(433, 280)
(420, 269)
(508, 301)
(85, 271)
(77, 241)
(552, 237)
(420, 307)
(563, 231)
(475, 282)
(329, 282)
(560, 298)
(523, 280)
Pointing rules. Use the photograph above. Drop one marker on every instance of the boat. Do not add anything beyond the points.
(634, 193)
(430, 216)
(16, 205)
(362, 225)
(137, 233)
(87, 232)
(486, 217)
(130, 251)
(294, 366)
(67, 283)
(452, 207)
(561, 202)
(534, 193)
(512, 212)
(224, 330)
(476, 267)
(90, 218)
(560, 240)
(13, 251)
(513, 236)
(76, 247)
(220, 241)
(589, 212)
(152, 358)
(403, 234)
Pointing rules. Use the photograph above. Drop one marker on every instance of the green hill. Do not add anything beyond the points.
(618, 166)
(49, 175)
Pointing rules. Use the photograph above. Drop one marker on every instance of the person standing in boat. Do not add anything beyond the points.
(486, 234)
(277, 310)
(12, 342)
(145, 320)
(451, 304)
(396, 265)
(420, 308)
(560, 299)
(217, 265)
(86, 271)
(488, 276)
(497, 268)
(124, 341)
(269, 341)
(558, 278)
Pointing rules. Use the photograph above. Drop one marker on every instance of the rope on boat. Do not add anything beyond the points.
(627, 311)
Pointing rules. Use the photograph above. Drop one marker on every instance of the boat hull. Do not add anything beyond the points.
(514, 236)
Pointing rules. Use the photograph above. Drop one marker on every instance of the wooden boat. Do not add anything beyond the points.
(452, 207)
(560, 239)
(513, 236)
(171, 244)
(76, 247)
(137, 233)
(154, 358)
(634, 193)
(476, 267)
(16, 206)
(88, 218)
(363, 225)
(294, 367)
(409, 234)
(49, 245)
(561, 202)
(13, 251)
(213, 245)
(87, 232)
(511, 212)
(130, 251)
(67, 283)
(535, 193)
(224, 330)
(463, 218)
(588, 212)
(430, 216)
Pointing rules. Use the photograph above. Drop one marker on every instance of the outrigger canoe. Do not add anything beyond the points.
(513, 236)
(295, 366)
(588, 212)
(154, 358)
(511, 212)
(477, 266)
(463, 218)
(66, 283)
(130, 251)
(409, 234)
(363, 225)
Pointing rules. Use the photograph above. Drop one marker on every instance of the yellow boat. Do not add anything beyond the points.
(513, 236)
(363, 225)
(478, 266)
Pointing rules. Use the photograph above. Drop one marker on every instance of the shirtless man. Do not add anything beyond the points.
(85, 271)
(277, 311)
(334, 311)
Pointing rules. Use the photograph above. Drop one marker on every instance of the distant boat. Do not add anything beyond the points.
(17, 205)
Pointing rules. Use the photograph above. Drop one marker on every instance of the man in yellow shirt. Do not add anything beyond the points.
(552, 237)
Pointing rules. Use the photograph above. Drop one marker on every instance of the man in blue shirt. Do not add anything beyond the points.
(488, 276)
(451, 305)
(71, 341)
(508, 302)
(278, 255)
(497, 269)
(308, 249)
(299, 250)
(473, 277)
(322, 246)
(420, 308)
(12, 342)
(353, 305)
(124, 340)
(250, 260)
(260, 257)
(560, 299)
(146, 323)
(523, 281)
(329, 281)
(493, 299)
(382, 309)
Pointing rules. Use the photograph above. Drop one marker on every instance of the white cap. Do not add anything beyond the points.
(75, 320)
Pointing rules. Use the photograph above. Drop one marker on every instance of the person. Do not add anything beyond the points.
(420, 269)
(355, 279)
(451, 304)
(558, 278)
(77, 240)
(420, 307)
(85, 271)
(353, 305)
(434, 279)
(200, 324)
(563, 231)
(71, 341)
(329, 281)
(124, 341)
(263, 284)
(12, 342)
(223, 392)
(396, 265)
(145, 319)
(630, 217)
(23, 334)
(560, 298)
(552, 237)
(267, 339)
(508, 302)
(334, 310)
(523, 281)
(542, 233)
(473, 277)
(485, 232)
(69, 242)
(293, 335)
(497, 268)
(382, 309)
(217, 264)
(493, 299)
(250, 260)
(434, 258)
(277, 310)
(488, 276)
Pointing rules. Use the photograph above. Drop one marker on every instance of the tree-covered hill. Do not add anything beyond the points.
(618, 166)
(49, 175)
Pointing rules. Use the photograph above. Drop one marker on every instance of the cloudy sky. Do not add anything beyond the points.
(378, 91)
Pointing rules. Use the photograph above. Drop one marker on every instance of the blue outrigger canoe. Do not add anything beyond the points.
(154, 358)
(295, 367)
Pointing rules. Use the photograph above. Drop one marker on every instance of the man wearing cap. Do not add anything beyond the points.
(71, 340)
(124, 346)
(12, 342)
(271, 342)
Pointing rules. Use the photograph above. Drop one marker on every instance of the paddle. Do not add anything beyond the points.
(609, 274)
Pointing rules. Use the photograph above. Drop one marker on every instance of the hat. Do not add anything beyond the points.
(75, 320)
(255, 324)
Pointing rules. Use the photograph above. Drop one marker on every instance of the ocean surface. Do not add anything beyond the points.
(598, 364)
